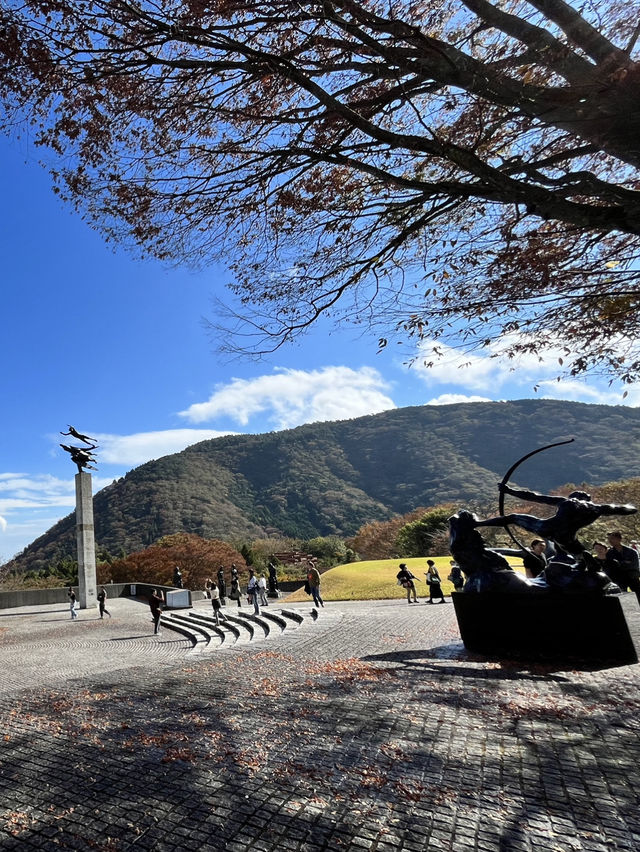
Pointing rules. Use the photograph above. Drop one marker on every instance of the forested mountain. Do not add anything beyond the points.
(330, 478)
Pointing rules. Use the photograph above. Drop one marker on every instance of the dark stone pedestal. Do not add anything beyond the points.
(545, 627)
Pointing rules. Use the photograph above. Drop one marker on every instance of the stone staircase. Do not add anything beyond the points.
(237, 628)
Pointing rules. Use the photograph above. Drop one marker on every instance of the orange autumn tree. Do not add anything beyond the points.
(459, 173)
(198, 559)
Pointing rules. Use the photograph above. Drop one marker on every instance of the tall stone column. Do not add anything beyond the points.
(86, 541)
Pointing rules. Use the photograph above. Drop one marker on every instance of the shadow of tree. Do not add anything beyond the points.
(408, 749)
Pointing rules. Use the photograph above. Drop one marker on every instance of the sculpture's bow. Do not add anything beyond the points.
(508, 474)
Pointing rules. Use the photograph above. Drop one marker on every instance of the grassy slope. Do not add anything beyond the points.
(376, 580)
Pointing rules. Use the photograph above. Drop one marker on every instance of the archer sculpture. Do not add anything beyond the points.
(571, 568)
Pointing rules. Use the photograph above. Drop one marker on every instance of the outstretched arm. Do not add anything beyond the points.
(612, 509)
(531, 496)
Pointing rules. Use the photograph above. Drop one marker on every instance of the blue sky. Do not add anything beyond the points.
(119, 348)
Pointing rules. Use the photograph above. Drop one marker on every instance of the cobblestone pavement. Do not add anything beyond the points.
(370, 729)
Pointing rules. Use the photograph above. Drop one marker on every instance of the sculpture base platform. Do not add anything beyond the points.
(545, 628)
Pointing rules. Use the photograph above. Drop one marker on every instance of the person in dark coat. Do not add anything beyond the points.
(102, 602)
(222, 586)
(533, 559)
(434, 582)
(622, 564)
(155, 605)
(236, 592)
(273, 581)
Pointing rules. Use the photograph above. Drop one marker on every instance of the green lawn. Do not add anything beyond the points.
(376, 580)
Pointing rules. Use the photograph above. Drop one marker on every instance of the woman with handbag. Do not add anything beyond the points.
(433, 580)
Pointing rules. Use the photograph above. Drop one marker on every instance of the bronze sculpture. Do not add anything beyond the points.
(571, 567)
(85, 438)
(83, 457)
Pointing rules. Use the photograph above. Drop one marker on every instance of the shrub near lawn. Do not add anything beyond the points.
(375, 580)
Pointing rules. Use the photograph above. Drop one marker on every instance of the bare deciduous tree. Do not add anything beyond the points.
(459, 172)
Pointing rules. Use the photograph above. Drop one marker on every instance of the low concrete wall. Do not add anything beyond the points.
(291, 585)
(39, 597)
(34, 597)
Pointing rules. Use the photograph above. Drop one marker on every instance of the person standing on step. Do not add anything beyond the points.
(313, 578)
(155, 605)
(236, 592)
(273, 581)
(253, 592)
(222, 586)
(215, 603)
(406, 580)
(434, 583)
(262, 590)
(102, 602)
(72, 604)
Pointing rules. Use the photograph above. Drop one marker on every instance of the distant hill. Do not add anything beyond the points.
(330, 478)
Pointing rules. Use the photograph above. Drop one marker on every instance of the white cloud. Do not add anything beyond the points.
(577, 390)
(480, 371)
(450, 398)
(289, 397)
(21, 490)
(31, 505)
(132, 450)
(507, 377)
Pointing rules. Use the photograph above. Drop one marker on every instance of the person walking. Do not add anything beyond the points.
(72, 604)
(434, 583)
(155, 605)
(102, 599)
(313, 578)
(406, 580)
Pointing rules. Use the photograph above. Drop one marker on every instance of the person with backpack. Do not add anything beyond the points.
(406, 580)
(313, 581)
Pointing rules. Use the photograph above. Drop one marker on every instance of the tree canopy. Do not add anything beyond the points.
(450, 172)
(198, 559)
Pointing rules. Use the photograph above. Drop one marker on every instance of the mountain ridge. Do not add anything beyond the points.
(331, 477)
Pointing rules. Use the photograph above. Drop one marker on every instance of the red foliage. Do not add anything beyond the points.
(198, 559)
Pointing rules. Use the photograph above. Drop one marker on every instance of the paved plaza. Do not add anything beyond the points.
(370, 728)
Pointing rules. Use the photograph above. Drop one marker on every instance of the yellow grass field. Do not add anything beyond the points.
(376, 580)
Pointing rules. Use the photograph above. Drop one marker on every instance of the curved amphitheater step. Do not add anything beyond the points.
(235, 627)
